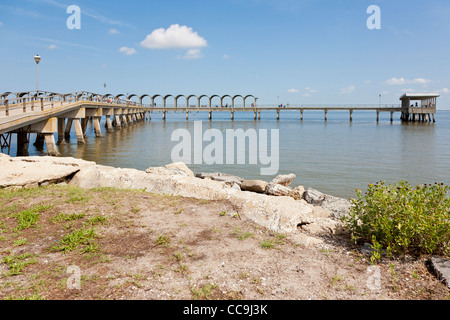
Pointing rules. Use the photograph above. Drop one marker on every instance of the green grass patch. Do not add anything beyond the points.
(83, 239)
(28, 218)
(17, 263)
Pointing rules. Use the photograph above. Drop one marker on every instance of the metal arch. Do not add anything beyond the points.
(200, 98)
(131, 96)
(188, 98)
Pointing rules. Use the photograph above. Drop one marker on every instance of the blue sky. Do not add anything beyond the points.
(284, 51)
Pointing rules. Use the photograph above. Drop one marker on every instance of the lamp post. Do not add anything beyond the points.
(37, 58)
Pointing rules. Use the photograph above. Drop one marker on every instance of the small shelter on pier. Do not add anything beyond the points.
(419, 106)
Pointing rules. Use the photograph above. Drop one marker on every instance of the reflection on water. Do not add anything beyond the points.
(335, 157)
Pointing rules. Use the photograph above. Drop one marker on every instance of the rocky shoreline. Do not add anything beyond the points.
(273, 205)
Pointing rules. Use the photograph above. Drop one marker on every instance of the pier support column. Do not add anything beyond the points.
(130, 119)
(392, 116)
(78, 131)
(164, 115)
(124, 122)
(108, 124)
(232, 115)
(23, 142)
(378, 116)
(326, 115)
(84, 122)
(61, 130)
(67, 129)
(301, 115)
(150, 116)
(256, 115)
(278, 114)
(117, 122)
(351, 115)
(97, 130)
(39, 142)
(52, 150)
(210, 115)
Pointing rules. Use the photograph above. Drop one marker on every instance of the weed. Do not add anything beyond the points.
(204, 292)
(80, 237)
(28, 218)
(17, 263)
(163, 240)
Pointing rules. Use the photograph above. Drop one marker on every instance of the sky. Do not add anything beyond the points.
(283, 51)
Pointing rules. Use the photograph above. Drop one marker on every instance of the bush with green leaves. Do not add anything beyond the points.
(401, 218)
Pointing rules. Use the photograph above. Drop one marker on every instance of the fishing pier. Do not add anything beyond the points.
(46, 113)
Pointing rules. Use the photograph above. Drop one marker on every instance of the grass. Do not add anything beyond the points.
(204, 292)
(28, 218)
(83, 238)
(17, 263)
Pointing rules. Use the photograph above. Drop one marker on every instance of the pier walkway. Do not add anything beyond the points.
(46, 113)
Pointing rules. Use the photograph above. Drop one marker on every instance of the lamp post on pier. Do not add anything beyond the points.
(37, 58)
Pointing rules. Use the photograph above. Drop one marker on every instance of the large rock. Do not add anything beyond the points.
(314, 197)
(338, 207)
(297, 193)
(284, 180)
(278, 190)
(36, 171)
(441, 268)
(178, 168)
(222, 177)
(258, 186)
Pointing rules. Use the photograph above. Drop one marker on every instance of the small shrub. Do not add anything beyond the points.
(402, 219)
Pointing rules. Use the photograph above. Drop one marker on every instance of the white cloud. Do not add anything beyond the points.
(310, 90)
(348, 90)
(408, 90)
(403, 81)
(306, 95)
(226, 57)
(293, 91)
(175, 36)
(128, 51)
(445, 90)
(52, 46)
(192, 54)
(113, 31)
(1, 23)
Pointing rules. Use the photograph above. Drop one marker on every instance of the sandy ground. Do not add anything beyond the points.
(153, 247)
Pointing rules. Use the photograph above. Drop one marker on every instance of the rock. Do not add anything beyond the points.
(314, 197)
(305, 240)
(278, 190)
(441, 268)
(323, 227)
(217, 176)
(258, 186)
(34, 171)
(178, 168)
(284, 180)
(297, 193)
(367, 249)
(338, 207)
(181, 167)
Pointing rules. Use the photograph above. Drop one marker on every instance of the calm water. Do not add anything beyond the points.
(335, 157)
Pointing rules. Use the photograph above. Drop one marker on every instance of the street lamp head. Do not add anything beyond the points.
(37, 58)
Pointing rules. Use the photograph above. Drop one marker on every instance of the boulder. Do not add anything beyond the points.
(441, 268)
(36, 171)
(314, 197)
(258, 186)
(178, 168)
(217, 176)
(338, 207)
(284, 180)
(273, 189)
(297, 193)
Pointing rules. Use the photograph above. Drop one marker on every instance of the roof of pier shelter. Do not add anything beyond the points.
(418, 96)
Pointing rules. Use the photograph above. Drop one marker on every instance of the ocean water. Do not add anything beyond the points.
(335, 157)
